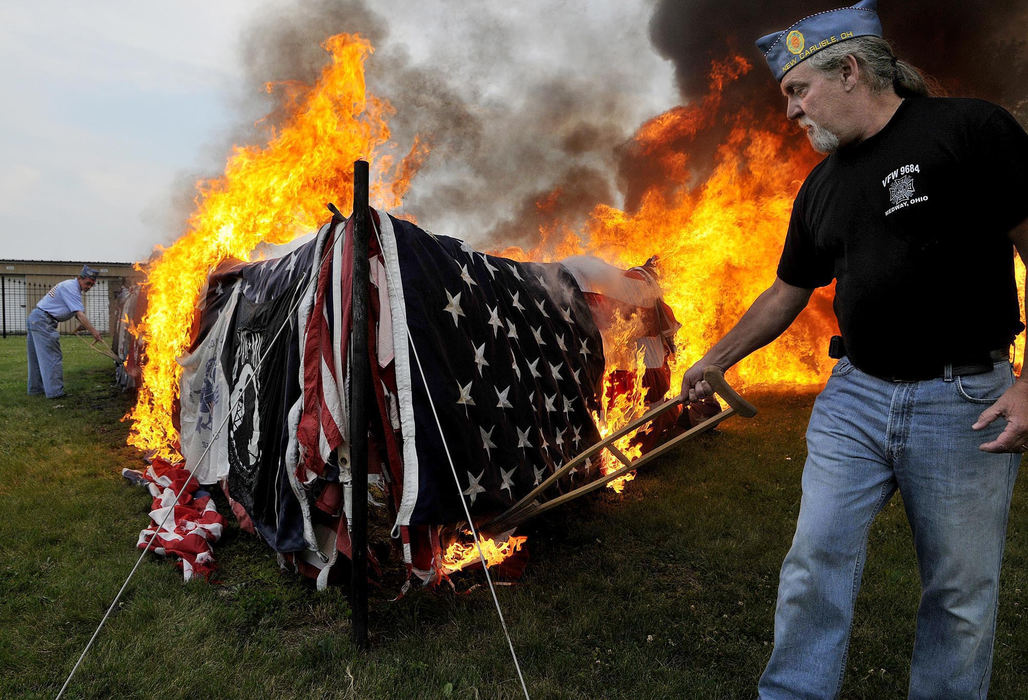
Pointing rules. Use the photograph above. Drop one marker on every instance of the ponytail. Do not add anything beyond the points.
(881, 69)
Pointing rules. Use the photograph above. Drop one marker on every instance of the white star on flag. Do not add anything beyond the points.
(467, 277)
(539, 474)
(533, 370)
(584, 351)
(544, 444)
(453, 308)
(514, 271)
(550, 408)
(517, 370)
(575, 373)
(567, 404)
(480, 358)
(578, 434)
(555, 369)
(494, 320)
(559, 440)
(466, 248)
(474, 488)
(502, 396)
(538, 333)
(560, 343)
(512, 332)
(517, 304)
(508, 481)
(487, 442)
(542, 307)
(492, 270)
(566, 313)
(523, 437)
(465, 395)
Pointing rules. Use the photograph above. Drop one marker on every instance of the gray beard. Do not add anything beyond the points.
(821, 139)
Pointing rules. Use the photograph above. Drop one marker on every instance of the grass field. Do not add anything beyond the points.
(666, 591)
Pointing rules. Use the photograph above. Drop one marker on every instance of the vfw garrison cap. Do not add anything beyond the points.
(784, 50)
(87, 271)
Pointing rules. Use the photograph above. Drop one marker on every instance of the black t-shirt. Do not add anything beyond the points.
(913, 224)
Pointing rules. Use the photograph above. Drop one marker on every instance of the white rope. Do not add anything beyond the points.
(192, 471)
(467, 512)
(474, 531)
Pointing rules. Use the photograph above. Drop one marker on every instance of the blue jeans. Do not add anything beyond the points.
(43, 346)
(867, 438)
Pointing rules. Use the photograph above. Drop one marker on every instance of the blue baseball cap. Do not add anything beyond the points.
(87, 271)
(784, 50)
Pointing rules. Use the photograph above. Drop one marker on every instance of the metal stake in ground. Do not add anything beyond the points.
(359, 395)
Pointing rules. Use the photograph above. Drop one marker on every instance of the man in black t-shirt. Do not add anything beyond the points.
(915, 213)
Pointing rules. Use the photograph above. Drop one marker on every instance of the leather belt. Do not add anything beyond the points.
(962, 369)
(50, 316)
(946, 371)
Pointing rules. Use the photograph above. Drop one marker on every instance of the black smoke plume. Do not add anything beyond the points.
(974, 49)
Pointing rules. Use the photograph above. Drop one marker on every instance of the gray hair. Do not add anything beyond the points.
(881, 69)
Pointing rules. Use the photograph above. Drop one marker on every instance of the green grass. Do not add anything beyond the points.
(665, 591)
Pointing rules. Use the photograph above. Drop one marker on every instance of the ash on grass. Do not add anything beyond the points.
(665, 591)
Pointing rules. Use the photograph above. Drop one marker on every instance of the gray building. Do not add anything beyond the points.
(24, 282)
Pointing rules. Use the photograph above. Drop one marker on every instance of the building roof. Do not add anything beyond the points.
(64, 262)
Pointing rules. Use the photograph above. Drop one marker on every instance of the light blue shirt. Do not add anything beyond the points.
(63, 300)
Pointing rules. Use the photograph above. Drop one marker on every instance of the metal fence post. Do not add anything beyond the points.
(359, 398)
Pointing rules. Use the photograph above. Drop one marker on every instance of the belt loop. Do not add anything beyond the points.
(947, 372)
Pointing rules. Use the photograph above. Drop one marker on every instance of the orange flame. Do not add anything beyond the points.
(718, 244)
(622, 353)
(461, 554)
(718, 241)
(268, 194)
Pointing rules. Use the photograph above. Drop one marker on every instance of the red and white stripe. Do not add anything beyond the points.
(185, 527)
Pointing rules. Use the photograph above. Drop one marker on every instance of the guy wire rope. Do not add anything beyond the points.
(456, 482)
(192, 471)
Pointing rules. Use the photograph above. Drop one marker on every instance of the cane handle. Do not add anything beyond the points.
(716, 378)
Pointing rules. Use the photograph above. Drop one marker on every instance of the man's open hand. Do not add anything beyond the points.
(1012, 405)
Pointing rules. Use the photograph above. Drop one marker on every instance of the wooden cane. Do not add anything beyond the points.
(528, 506)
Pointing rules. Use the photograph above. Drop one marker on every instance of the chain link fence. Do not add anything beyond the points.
(18, 298)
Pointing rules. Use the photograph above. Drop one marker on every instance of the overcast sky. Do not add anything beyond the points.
(112, 108)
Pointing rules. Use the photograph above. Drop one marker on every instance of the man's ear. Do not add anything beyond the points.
(850, 72)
